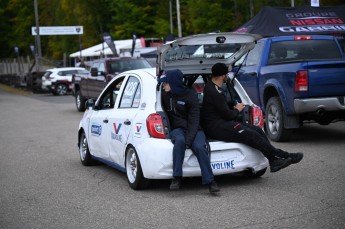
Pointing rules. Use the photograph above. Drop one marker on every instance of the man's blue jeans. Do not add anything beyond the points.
(199, 149)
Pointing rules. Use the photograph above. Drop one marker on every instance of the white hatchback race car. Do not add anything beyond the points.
(128, 129)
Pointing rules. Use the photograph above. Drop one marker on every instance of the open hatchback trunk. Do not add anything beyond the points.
(198, 53)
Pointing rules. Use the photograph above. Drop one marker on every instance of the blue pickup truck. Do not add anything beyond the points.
(295, 80)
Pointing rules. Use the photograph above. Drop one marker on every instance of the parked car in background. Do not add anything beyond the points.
(89, 85)
(59, 80)
(295, 80)
(128, 129)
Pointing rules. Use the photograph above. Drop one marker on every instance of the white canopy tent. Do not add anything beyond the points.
(97, 50)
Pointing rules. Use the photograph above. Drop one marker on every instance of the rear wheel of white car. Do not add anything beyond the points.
(84, 152)
(135, 177)
(61, 89)
(79, 101)
(274, 121)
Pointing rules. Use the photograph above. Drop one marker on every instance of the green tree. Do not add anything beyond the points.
(17, 27)
(149, 18)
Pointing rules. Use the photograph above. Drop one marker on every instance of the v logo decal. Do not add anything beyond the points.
(117, 129)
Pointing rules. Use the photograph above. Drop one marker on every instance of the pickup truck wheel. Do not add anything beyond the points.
(275, 121)
(79, 101)
(135, 177)
(61, 89)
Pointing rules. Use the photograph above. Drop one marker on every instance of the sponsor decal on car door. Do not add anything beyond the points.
(98, 134)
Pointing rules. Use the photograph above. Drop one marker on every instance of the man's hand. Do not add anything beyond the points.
(239, 106)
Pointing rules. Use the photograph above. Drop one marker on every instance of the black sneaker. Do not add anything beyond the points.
(175, 183)
(279, 163)
(295, 157)
(213, 187)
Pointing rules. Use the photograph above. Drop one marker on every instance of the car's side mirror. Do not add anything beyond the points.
(90, 104)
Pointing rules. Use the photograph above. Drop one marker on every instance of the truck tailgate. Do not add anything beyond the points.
(326, 78)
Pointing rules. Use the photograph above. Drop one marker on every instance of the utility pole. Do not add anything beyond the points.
(251, 8)
(292, 3)
(171, 20)
(178, 18)
(38, 40)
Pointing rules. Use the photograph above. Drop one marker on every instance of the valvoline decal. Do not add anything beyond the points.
(117, 128)
(115, 135)
(138, 129)
(223, 165)
(96, 129)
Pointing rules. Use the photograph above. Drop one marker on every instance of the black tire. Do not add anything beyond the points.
(251, 174)
(84, 152)
(274, 121)
(79, 101)
(135, 177)
(61, 89)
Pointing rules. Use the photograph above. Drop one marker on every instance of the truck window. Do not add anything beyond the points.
(254, 55)
(301, 50)
(341, 42)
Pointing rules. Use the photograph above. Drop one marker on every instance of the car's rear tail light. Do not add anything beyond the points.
(257, 116)
(155, 126)
(297, 38)
(301, 81)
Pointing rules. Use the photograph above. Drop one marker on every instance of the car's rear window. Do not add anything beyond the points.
(219, 51)
(47, 74)
(285, 51)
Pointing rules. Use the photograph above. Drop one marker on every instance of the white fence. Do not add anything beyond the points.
(18, 66)
(15, 71)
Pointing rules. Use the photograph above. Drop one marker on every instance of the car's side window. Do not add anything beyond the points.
(70, 72)
(137, 97)
(131, 94)
(95, 65)
(101, 67)
(109, 97)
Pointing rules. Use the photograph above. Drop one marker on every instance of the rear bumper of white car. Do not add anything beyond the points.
(46, 84)
(156, 159)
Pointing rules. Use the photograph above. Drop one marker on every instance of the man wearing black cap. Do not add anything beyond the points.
(219, 122)
(182, 106)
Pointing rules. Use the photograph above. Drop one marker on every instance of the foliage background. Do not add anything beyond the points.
(148, 18)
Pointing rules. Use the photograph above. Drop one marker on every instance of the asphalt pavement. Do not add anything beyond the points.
(44, 185)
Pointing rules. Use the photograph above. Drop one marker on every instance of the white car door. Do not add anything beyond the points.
(98, 134)
(100, 127)
(122, 119)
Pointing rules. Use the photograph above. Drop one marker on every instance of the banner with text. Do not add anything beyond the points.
(279, 21)
(57, 30)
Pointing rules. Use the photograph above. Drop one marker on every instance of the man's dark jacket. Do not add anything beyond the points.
(182, 106)
(215, 111)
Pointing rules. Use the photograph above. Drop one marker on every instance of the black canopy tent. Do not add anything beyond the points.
(303, 20)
